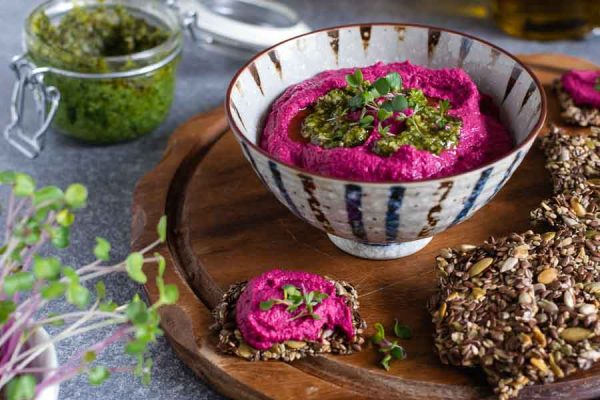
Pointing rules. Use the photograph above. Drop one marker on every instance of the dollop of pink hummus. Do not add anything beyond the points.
(483, 138)
(262, 329)
(581, 86)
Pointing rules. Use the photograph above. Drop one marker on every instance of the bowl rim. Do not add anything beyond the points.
(533, 133)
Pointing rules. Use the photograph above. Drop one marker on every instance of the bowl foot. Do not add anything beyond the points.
(379, 251)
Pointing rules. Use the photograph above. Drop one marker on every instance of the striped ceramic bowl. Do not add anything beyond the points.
(391, 219)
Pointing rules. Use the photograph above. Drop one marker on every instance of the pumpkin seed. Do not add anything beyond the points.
(556, 370)
(575, 334)
(480, 266)
(443, 309)
(477, 293)
(295, 344)
(548, 236)
(521, 251)
(539, 336)
(547, 276)
(509, 264)
(539, 364)
(577, 207)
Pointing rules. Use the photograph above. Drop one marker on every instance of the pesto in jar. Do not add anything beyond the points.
(102, 40)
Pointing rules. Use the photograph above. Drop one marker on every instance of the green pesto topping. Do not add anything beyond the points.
(346, 117)
(105, 110)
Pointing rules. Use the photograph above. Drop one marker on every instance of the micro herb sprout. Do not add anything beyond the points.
(294, 299)
(346, 117)
(29, 281)
(391, 349)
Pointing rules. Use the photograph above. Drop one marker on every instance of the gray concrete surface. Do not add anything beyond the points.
(111, 172)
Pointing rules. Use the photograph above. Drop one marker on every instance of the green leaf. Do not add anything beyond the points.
(71, 275)
(162, 265)
(7, 177)
(170, 294)
(21, 388)
(65, 218)
(7, 307)
(399, 103)
(137, 312)
(394, 80)
(356, 79)
(53, 290)
(97, 375)
(89, 356)
(366, 121)
(102, 249)
(379, 333)
(18, 282)
(59, 236)
(46, 267)
(356, 101)
(386, 361)
(78, 295)
(290, 291)
(109, 306)
(134, 264)
(76, 195)
(135, 347)
(100, 290)
(266, 305)
(384, 114)
(147, 372)
(401, 331)
(48, 195)
(398, 352)
(24, 185)
(382, 86)
(161, 228)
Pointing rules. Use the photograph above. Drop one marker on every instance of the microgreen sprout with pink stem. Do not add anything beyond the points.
(29, 281)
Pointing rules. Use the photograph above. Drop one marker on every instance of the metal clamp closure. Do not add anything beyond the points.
(46, 99)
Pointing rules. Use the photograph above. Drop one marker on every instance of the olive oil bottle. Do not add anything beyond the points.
(547, 19)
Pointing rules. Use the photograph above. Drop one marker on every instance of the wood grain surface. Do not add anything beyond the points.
(224, 226)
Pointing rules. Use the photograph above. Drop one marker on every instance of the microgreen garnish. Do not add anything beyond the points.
(294, 298)
(391, 349)
(597, 87)
(346, 117)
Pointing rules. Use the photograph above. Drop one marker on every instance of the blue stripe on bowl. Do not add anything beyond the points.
(282, 190)
(392, 216)
(353, 198)
(483, 178)
(252, 162)
(507, 174)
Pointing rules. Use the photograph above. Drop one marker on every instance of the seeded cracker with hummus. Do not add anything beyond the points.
(288, 315)
(579, 97)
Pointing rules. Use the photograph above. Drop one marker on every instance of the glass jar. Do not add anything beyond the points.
(123, 97)
(100, 100)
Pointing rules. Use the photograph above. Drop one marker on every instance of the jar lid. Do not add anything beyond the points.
(244, 24)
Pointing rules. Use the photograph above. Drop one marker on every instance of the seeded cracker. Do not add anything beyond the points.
(571, 112)
(525, 307)
(231, 342)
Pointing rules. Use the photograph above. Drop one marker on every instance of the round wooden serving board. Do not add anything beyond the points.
(224, 227)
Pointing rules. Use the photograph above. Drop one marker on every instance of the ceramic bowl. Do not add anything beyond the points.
(391, 219)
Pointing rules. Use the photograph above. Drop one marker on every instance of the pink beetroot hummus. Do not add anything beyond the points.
(482, 138)
(581, 86)
(262, 329)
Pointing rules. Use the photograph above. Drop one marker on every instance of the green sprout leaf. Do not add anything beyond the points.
(97, 375)
(136, 347)
(21, 388)
(100, 290)
(7, 177)
(65, 218)
(162, 265)
(161, 229)
(46, 267)
(137, 312)
(379, 333)
(382, 85)
(399, 103)
(102, 249)
(384, 114)
(394, 81)
(78, 295)
(59, 236)
(170, 294)
(355, 80)
(385, 362)
(266, 305)
(356, 101)
(366, 121)
(398, 352)
(402, 331)
(134, 264)
(24, 185)
(18, 282)
(48, 195)
(53, 290)
(7, 307)
(76, 195)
